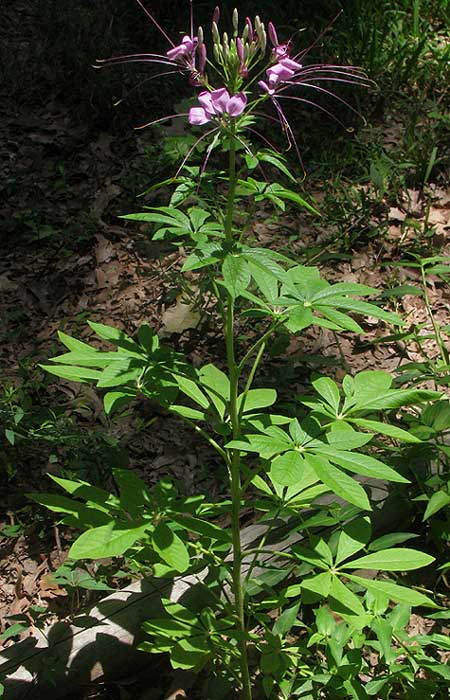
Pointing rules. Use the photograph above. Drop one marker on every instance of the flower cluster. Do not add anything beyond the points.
(217, 103)
(243, 61)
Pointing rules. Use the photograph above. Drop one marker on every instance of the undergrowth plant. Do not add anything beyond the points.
(286, 609)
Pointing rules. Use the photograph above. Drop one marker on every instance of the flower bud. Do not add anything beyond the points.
(273, 34)
(202, 59)
(235, 20)
(249, 25)
(217, 51)
(240, 50)
(215, 33)
(263, 39)
(225, 45)
(245, 33)
(216, 15)
(257, 23)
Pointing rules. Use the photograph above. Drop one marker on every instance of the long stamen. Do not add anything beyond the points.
(313, 104)
(142, 82)
(336, 97)
(191, 150)
(150, 16)
(162, 119)
(289, 133)
(303, 53)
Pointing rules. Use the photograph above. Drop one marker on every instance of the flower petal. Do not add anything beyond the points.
(219, 100)
(198, 116)
(237, 104)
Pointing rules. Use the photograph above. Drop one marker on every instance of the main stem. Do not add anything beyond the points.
(235, 466)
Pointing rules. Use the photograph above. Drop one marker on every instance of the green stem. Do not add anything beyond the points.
(235, 461)
(436, 329)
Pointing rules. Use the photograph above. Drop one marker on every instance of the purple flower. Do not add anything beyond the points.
(216, 103)
(282, 71)
(185, 51)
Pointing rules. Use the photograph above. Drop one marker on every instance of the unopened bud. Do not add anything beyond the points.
(202, 60)
(240, 50)
(273, 34)
(245, 33)
(215, 33)
(249, 25)
(257, 23)
(217, 51)
(225, 44)
(216, 14)
(235, 20)
(263, 39)
(201, 37)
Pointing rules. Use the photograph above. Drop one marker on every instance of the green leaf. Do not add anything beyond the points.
(217, 386)
(187, 412)
(439, 500)
(388, 429)
(256, 399)
(286, 620)
(286, 469)
(74, 374)
(106, 541)
(329, 391)
(192, 390)
(236, 274)
(263, 445)
(338, 482)
(399, 594)
(362, 464)
(390, 540)
(354, 537)
(348, 601)
(120, 373)
(320, 583)
(397, 559)
(12, 631)
(170, 548)
(114, 400)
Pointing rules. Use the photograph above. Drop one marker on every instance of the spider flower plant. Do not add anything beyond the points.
(248, 71)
